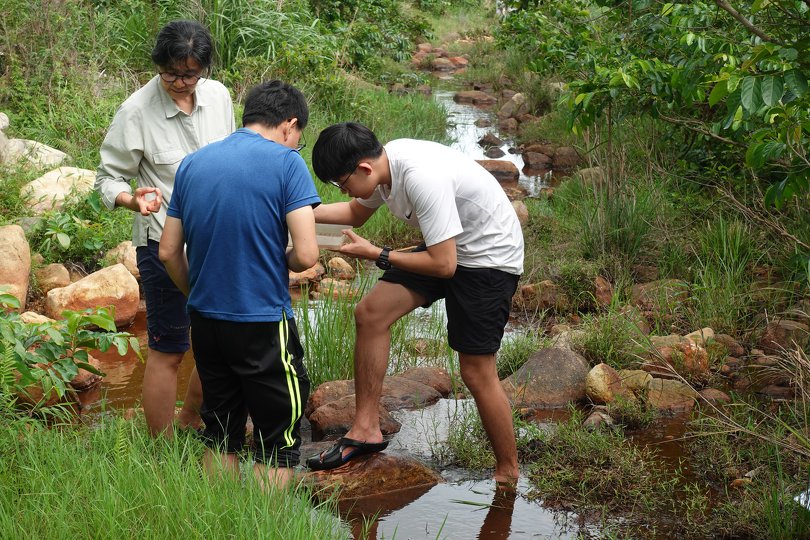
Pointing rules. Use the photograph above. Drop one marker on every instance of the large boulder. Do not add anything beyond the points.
(310, 275)
(340, 269)
(373, 475)
(112, 286)
(15, 263)
(49, 191)
(398, 392)
(435, 377)
(783, 335)
(336, 417)
(565, 158)
(603, 385)
(671, 396)
(515, 106)
(35, 153)
(550, 378)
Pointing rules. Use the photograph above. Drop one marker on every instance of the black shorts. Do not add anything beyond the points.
(478, 301)
(255, 368)
(166, 318)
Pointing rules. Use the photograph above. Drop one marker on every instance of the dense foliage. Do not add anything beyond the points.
(731, 81)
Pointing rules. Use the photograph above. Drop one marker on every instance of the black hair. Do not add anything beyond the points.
(340, 147)
(181, 40)
(272, 102)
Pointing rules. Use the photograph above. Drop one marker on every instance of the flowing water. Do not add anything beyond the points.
(464, 506)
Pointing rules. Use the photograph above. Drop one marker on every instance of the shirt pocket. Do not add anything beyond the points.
(168, 157)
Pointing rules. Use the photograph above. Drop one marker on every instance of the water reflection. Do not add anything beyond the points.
(473, 509)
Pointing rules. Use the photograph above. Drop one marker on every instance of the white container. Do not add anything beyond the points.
(329, 236)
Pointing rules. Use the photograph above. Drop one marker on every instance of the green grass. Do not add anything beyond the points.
(113, 481)
(612, 337)
(516, 348)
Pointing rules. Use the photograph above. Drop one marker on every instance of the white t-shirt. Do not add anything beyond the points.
(446, 194)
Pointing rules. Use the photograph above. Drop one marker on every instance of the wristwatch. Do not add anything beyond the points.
(382, 261)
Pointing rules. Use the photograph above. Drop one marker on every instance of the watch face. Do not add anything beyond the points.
(383, 265)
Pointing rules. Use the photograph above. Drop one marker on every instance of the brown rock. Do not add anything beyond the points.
(483, 122)
(373, 475)
(112, 286)
(565, 158)
(714, 396)
(593, 176)
(540, 148)
(29, 317)
(522, 212)
(15, 263)
(52, 277)
(784, 335)
(494, 152)
(336, 288)
(660, 294)
(436, 378)
(310, 275)
(644, 273)
(508, 125)
(775, 391)
(458, 61)
(340, 269)
(733, 346)
(636, 380)
(603, 292)
(125, 254)
(424, 347)
(503, 171)
(474, 97)
(700, 337)
(534, 160)
(550, 378)
(489, 140)
(424, 47)
(603, 385)
(397, 393)
(671, 396)
(336, 417)
(442, 64)
(85, 379)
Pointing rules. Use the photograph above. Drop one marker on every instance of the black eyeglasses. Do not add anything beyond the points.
(340, 183)
(302, 143)
(188, 80)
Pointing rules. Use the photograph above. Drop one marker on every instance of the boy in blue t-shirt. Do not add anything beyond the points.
(235, 202)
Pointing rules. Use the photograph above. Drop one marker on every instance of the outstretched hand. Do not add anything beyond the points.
(358, 247)
(148, 200)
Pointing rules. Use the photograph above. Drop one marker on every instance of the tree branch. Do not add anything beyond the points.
(696, 126)
(722, 4)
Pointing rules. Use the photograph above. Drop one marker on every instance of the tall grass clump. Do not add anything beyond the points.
(516, 348)
(613, 337)
(114, 481)
(722, 277)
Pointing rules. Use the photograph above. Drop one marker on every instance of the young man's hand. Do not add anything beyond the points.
(358, 247)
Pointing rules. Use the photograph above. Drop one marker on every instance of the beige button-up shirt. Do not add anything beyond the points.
(149, 137)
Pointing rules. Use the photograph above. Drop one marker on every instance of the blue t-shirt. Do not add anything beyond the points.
(233, 197)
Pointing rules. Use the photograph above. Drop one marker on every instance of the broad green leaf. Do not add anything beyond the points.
(135, 346)
(796, 82)
(9, 300)
(55, 335)
(772, 89)
(89, 367)
(751, 94)
(63, 239)
(104, 322)
(717, 94)
(733, 81)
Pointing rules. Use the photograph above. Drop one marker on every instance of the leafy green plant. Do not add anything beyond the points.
(50, 354)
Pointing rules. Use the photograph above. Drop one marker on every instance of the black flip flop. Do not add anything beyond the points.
(333, 458)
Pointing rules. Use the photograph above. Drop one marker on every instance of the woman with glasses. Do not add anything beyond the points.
(177, 112)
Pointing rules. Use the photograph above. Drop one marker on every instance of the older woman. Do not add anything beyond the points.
(175, 113)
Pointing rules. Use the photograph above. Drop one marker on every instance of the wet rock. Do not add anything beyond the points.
(494, 153)
(483, 122)
(48, 192)
(514, 191)
(126, 254)
(603, 385)
(339, 268)
(784, 335)
(474, 97)
(397, 393)
(503, 171)
(435, 377)
(565, 158)
(535, 160)
(714, 396)
(659, 295)
(373, 475)
(550, 378)
(15, 263)
(335, 418)
(522, 212)
(52, 277)
(540, 148)
(112, 286)
(671, 396)
(527, 118)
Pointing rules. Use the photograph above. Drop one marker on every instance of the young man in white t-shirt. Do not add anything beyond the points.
(472, 257)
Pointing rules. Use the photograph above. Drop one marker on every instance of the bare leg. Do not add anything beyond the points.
(374, 315)
(218, 464)
(160, 391)
(189, 415)
(480, 375)
(272, 477)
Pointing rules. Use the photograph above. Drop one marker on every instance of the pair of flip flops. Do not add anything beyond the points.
(333, 458)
